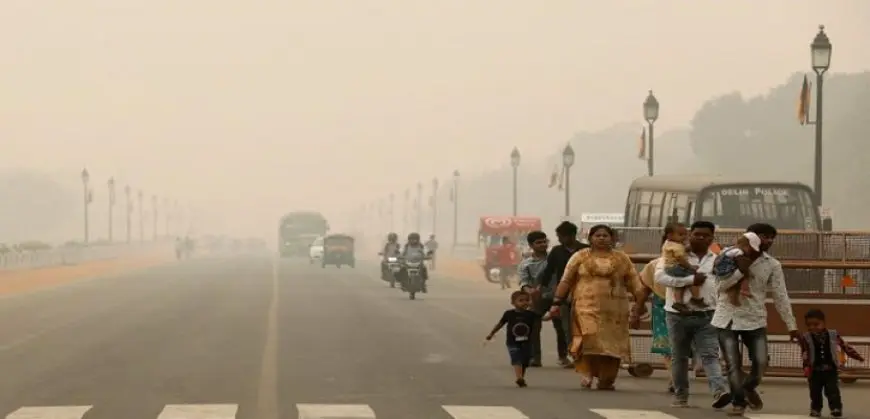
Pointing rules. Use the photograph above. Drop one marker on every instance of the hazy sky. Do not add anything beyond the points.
(282, 103)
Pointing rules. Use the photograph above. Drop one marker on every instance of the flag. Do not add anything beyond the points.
(562, 179)
(554, 177)
(453, 194)
(90, 196)
(803, 105)
(641, 144)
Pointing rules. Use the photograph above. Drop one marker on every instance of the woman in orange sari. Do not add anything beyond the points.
(599, 279)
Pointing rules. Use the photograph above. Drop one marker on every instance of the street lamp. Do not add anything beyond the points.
(141, 219)
(567, 162)
(111, 184)
(455, 197)
(129, 209)
(820, 49)
(392, 212)
(434, 204)
(154, 220)
(419, 207)
(515, 163)
(86, 178)
(650, 114)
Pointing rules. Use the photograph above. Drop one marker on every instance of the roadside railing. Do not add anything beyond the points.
(73, 255)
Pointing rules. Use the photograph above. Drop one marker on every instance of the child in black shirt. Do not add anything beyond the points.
(519, 321)
(822, 350)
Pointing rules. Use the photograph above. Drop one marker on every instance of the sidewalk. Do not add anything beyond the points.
(13, 282)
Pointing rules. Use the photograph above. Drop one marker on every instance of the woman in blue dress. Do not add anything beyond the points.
(660, 343)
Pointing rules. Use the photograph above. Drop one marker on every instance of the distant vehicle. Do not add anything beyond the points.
(297, 230)
(654, 201)
(315, 252)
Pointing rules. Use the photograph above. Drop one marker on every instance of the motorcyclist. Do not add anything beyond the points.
(415, 250)
(432, 247)
(391, 249)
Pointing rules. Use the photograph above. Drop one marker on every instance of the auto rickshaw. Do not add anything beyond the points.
(338, 250)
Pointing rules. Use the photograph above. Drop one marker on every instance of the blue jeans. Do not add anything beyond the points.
(756, 346)
(683, 331)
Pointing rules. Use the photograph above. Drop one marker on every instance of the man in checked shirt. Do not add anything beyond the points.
(748, 321)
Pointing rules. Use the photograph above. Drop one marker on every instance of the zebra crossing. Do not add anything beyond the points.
(356, 411)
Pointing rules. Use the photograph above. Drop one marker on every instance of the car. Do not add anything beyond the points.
(315, 250)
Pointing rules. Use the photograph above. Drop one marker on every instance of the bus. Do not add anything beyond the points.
(654, 201)
(298, 230)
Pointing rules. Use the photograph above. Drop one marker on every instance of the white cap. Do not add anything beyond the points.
(754, 241)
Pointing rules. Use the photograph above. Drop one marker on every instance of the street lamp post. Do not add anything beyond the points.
(515, 163)
(650, 114)
(154, 208)
(141, 219)
(392, 212)
(129, 210)
(821, 49)
(434, 205)
(419, 207)
(567, 162)
(86, 178)
(111, 184)
(406, 212)
(455, 207)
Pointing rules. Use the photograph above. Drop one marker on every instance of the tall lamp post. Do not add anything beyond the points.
(154, 209)
(455, 207)
(650, 114)
(86, 178)
(821, 49)
(515, 163)
(567, 162)
(392, 212)
(419, 208)
(129, 210)
(111, 184)
(141, 219)
(434, 205)
(406, 212)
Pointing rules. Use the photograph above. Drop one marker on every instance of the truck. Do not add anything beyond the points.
(297, 231)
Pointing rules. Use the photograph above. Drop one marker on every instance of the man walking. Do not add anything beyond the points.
(748, 321)
(432, 248)
(528, 271)
(693, 327)
(557, 260)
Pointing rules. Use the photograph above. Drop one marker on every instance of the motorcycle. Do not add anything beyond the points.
(393, 269)
(414, 281)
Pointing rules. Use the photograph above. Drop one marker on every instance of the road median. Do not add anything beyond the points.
(27, 280)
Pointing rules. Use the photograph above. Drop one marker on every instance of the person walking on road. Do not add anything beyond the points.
(747, 323)
(432, 248)
(655, 293)
(542, 299)
(599, 280)
(557, 260)
(691, 328)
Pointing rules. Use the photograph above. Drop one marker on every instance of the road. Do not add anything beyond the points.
(251, 338)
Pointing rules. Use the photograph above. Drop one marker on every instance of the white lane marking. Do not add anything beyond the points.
(631, 414)
(267, 392)
(484, 412)
(55, 412)
(198, 411)
(772, 416)
(334, 411)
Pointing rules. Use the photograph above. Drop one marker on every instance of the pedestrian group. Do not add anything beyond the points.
(704, 307)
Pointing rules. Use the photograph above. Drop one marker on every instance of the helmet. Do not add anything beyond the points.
(414, 236)
(392, 236)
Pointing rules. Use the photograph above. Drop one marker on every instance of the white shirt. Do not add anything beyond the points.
(751, 314)
(708, 289)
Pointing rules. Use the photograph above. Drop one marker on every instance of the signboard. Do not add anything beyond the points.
(754, 192)
(613, 218)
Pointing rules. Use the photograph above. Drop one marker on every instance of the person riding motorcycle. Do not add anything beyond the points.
(415, 250)
(391, 249)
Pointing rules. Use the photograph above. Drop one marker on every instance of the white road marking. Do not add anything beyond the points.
(267, 391)
(198, 411)
(631, 414)
(484, 412)
(772, 416)
(56, 412)
(335, 411)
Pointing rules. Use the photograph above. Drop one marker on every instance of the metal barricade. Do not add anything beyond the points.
(836, 288)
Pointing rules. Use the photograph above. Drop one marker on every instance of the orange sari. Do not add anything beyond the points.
(600, 283)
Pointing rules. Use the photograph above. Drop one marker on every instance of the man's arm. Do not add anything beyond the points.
(726, 282)
(662, 278)
(776, 285)
(526, 279)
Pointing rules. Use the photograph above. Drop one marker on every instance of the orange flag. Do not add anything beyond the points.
(803, 105)
(641, 144)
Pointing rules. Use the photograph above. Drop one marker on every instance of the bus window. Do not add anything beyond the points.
(642, 217)
(631, 207)
(656, 219)
(739, 206)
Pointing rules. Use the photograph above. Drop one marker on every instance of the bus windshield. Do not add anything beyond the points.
(737, 206)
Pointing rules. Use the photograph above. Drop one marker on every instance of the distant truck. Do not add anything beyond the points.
(298, 230)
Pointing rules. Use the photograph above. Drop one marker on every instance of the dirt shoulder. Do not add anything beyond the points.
(14, 282)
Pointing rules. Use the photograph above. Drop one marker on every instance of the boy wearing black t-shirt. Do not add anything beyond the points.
(519, 321)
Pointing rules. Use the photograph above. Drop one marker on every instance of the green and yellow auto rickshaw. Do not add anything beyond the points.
(338, 250)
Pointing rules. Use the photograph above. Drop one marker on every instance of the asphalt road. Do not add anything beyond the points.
(250, 338)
